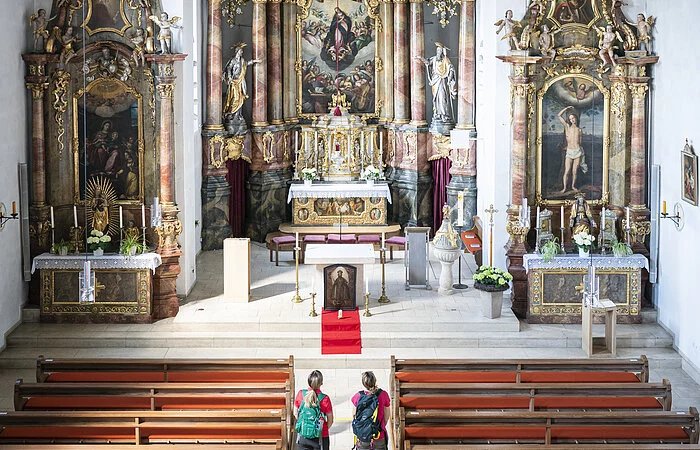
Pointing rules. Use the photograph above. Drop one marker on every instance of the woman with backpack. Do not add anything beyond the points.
(314, 413)
(370, 413)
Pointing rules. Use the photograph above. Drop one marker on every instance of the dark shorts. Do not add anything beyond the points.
(379, 444)
(313, 444)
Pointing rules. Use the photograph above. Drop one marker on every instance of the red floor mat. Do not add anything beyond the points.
(340, 336)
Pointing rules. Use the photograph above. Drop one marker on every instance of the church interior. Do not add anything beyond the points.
(489, 204)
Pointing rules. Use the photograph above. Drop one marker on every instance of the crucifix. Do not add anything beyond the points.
(491, 211)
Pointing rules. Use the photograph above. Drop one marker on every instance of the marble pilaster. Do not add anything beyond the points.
(289, 58)
(417, 49)
(214, 67)
(402, 66)
(518, 172)
(260, 69)
(274, 62)
(387, 88)
(466, 84)
(638, 145)
(619, 137)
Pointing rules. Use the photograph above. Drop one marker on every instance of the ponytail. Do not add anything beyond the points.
(369, 381)
(310, 399)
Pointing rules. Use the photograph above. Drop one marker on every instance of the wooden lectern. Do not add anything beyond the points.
(237, 270)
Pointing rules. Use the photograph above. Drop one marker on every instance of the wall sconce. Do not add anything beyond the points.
(3, 214)
(677, 216)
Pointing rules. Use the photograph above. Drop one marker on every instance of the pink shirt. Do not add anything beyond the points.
(383, 402)
(326, 407)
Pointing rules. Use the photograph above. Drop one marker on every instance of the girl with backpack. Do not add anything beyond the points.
(314, 413)
(370, 413)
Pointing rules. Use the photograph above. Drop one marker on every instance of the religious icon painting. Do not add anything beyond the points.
(689, 175)
(339, 287)
(572, 152)
(107, 126)
(106, 15)
(336, 45)
(574, 13)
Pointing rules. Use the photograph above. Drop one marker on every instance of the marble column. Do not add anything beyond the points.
(214, 67)
(417, 67)
(518, 178)
(289, 58)
(387, 16)
(466, 84)
(165, 302)
(401, 64)
(260, 69)
(638, 147)
(38, 146)
(274, 65)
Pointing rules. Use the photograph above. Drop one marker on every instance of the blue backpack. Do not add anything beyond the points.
(365, 424)
(310, 421)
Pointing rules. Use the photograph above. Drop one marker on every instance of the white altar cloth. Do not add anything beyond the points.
(535, 261)
(107, 261)
(339, 190)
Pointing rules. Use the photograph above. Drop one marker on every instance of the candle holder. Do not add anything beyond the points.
(627, 233)
(76, 235)
(297, 298)
(53, 238)
(537, 238)
(4, 217)
(313, 305)
(561, 233)
(367, 313)
(382, 258)
(676, 218)
(143, 230)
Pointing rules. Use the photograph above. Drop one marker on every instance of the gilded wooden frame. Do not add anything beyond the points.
(578, 26)
(304, 9)
(76, 141)
(605, 194)
(88, 16)
(689, 162)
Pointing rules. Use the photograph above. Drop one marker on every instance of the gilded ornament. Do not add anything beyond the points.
(618, 102)
(410, 138)
(441, 143)
(577, 51)
(639, 90)
(40, 232)
(60, 103)
(268, 141)
(151, 99)
(165, 90)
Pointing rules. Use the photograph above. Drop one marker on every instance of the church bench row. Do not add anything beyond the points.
(408, 445)
(150, 396)
(186, 446)
(547, 427)
(534, 396)
(250, 427)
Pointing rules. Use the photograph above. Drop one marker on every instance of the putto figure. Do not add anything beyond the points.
(546, 41)
(234, 75)
(509, 25)
(165, 34)
(139, 41)
(39, 21)
(606, 45)
(441, 77)
(644, 27)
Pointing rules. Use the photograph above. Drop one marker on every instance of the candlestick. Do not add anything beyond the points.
(75, 217)
(561, 217)
(382, 258)
(367, 313)
(143, 215)
(664, 207)
(14, 208)
(537, 222)
(296, 298)
(51, 209)
(121, 221)
(629, 225)
(460, 209)
(383, 239)
(313, 305)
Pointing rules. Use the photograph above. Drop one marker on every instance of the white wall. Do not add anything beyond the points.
(15, 129)
(676, 118)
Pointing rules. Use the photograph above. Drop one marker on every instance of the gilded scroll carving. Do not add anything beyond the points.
(60, 103)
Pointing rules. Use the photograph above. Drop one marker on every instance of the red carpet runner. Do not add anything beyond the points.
(340, 336)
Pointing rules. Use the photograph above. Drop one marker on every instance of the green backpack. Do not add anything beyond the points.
(310, 421)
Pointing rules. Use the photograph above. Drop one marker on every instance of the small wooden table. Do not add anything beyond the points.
(609, 312)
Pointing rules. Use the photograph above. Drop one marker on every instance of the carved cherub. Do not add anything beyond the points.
(546, 41)
(66, 40)
(38, 22)
(644, 27)
(606, 45)
(139, 41)
(509, 25)
(165, 34)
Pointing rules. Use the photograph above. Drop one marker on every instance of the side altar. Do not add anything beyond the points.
(123, 288)
(555, 288)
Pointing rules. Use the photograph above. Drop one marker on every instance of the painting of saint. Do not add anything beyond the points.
(339, 286)
(572, 133)
(690, 177)
(108, 119)
(577, 12)
(106, 15)
(337, 56)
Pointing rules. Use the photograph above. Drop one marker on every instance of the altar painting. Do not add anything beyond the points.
(106, 15)
(339, 286)
(690, 177)
(337, 44)
(574, 13)
(572, 150)
(107, 131)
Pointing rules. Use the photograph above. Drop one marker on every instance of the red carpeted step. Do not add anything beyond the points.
(340, 336)
(341, 325)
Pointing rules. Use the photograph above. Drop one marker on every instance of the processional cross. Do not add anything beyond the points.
(491, 211)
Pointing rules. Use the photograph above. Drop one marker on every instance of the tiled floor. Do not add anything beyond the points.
(416, 324)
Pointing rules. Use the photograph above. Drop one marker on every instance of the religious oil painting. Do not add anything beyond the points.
(106, 15)
(339, 287)
(689, 176)
(108, 133)
(572, 149)
(336, 45)
(574, 12)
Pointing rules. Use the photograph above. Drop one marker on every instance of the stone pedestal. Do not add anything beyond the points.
(447, 258)
(491, 304)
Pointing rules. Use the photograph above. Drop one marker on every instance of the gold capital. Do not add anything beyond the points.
(639, 90)
(165, 90)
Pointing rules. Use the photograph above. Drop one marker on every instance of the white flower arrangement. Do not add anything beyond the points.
(309, 174)
(98, 239)
(370, 173)
(584, 241)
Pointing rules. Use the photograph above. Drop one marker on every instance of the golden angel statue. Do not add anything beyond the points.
(606, 44)
(509, 25)
(139, 41)
(234, 75)
(165, 34)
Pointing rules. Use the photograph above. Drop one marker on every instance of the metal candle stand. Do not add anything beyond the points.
(367, 313)
(75, 232)
(537, 238)
(382, 257)
(297, 298)
(561, 232)
(143, 229)
(313, 305)
(459, 284)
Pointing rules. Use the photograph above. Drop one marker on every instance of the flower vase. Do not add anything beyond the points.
(63, 251)
(582, 253)
(307, 183)
(370, 182)
(98, 252)
(132, 251)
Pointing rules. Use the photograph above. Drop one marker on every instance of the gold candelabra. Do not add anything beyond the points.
(297, 298)
(367, 313)
(382, 257)
(313, 305)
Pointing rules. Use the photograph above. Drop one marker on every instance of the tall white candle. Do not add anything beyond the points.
(460, 209)
(561, 216)
(296, 240)
(592, 277)
(383, 239)
(537, 222)
(52, 217)
(121, 224)
(296, 141)
(628, 218)
(143, 215)
(602, 222)
(75, 217)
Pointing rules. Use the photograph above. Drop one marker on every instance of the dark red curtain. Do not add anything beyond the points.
(441, 178)
(237, 176)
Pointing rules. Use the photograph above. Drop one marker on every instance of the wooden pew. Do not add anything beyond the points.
(548, 427)
(534, 396)
(558, 447)
(247, 428)
(150, 396)
(232, 446)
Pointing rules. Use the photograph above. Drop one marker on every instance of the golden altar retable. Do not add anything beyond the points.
(347, 203)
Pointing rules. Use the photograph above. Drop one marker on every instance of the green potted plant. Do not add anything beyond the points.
(584, 242)
(370, 174)
(550, 249)
(621, 249)
(61, 248)
(131, 245)
(308, 175)
(491, 282)
(98, 242)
